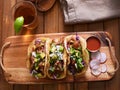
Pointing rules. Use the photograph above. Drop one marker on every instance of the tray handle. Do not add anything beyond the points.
(113, 58)
(1, 58)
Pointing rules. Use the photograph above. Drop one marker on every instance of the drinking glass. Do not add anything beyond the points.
(28, 11)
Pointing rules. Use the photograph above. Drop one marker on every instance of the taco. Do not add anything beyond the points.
(56, 65)
(78, 56)
(37, 57)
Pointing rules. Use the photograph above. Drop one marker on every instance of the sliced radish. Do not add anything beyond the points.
(95, 72)
(95, 55)
(94, 63)
(103, 68)
(95, 67)
(103, 58)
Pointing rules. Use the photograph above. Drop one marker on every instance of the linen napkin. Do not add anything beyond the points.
(80, 11)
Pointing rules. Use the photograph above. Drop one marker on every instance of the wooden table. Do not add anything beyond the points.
(51, 22)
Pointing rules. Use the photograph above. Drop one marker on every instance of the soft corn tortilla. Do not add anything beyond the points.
(84, 51)
(63, 74)
(30, 47)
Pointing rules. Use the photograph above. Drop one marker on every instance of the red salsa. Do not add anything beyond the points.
(93, 44)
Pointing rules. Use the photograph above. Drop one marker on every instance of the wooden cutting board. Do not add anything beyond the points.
(15, 56)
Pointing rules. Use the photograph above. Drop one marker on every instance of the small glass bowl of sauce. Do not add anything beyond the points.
(93, 43)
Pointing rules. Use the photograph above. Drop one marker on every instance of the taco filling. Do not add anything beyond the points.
(37, 58)
(77, 63)
(56, 67)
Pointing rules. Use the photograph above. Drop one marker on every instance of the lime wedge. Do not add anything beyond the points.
(18, 23)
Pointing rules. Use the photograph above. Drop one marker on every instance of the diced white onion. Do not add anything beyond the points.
(52, 54)
(33, 54)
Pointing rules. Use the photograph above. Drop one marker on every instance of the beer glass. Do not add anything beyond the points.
(28, 11)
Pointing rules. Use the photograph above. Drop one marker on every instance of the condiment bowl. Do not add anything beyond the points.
(93, 43)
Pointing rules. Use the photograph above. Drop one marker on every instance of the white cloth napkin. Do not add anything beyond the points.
(76, 11)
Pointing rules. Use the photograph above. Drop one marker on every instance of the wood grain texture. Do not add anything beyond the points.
(36, 87)
(1, 18)
(20, 87)
(38, 30)
(7, 20)
(50, 86)
(17, 51)
(63, 28)
(81, 28)
(113, 27)
(96, 26)
(51, 25)
(4, 84)
(118, 46)
(5, 32)
(81, 86)
(52, 21)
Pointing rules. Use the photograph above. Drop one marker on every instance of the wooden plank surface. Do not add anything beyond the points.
(1, 18)
(81, 28)
(63, 28)
(19, 87)
(96, 26)
(51, 25)
(5, 31)
(112, 26)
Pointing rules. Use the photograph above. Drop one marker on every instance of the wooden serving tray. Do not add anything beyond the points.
(14, 61)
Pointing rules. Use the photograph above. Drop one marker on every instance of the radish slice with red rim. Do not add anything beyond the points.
(95, 67)
(95, 72)
(103, 58)
(103, 68)
(94, 62)
(95, 55)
